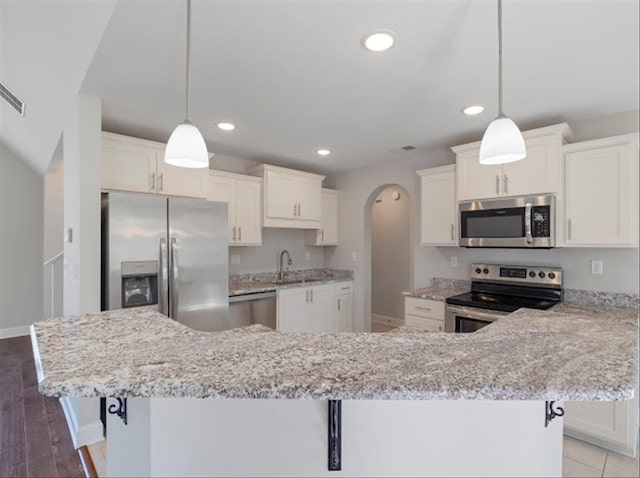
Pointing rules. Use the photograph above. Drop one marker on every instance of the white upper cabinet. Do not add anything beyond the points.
(291, 198)
(137, 165)
(243, 195)
(327, 235)
(438, 206)
(538, 173)
(601, 193)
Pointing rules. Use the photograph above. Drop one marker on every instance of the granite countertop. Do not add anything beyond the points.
(564, 354)
(267, 281)
(439, 294)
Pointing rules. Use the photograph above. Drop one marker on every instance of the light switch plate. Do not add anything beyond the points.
(453, 261)
(354, 257)
(235, 259)
(597, 267)
(307, 256)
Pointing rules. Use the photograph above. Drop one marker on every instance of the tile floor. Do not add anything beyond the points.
(381, 327)
(98, 452)
(580, 459)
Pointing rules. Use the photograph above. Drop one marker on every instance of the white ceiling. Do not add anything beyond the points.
(294, 77)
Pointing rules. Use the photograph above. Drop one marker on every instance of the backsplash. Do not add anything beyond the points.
(608, 299)
(298, 275)
(443, 283)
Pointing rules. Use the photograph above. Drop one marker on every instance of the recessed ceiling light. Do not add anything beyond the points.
(473, 110)
(226, 126)
(323, 152)
(379, 41)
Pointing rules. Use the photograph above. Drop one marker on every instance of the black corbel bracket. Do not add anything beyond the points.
(335, 435)
(119, 409)
(551, 413)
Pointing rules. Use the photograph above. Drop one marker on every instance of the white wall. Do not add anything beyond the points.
(21, 196)
(54, 207)
(359, 187)
(391, 260)
(266, 258)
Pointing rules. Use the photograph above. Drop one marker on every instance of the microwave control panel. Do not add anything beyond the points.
(541, 221)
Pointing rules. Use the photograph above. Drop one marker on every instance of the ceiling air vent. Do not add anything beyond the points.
(404, 149)
(12, 99)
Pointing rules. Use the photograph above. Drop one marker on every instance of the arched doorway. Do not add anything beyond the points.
(389, 244)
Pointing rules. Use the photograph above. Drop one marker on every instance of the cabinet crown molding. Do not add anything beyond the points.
(633, 138)
(563, 130)
(261, 168)
(237, 176)
(436, 170)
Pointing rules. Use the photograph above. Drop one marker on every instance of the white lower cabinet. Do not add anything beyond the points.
(612, 425)
(424, 313)
(314, 309)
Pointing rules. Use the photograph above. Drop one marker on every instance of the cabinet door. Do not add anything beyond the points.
(329, 231)
(309, 198)
(176, 181)
(293, 310)
(280, 195)
(535, 174)
(606, 421)
(221, 189)
(321, 309)
(344, 313)
(438, 210)
(475, 180)
(601, 196)
(249, 213)
(127, 165)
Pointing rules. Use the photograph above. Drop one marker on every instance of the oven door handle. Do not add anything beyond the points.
(474, 313)
(527, 223)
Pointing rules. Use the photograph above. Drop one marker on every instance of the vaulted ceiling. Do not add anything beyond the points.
(294, 77)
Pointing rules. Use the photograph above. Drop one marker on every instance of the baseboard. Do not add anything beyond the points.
(385, 319)
(11, 332)
(615, 447)
(84, 435)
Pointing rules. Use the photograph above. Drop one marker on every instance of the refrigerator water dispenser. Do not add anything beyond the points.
(139, 283)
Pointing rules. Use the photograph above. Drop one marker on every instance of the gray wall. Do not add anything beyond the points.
(359, 187)
(21, 199)
(265, 258)
(390, 252)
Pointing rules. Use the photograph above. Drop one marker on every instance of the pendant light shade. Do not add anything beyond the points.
(502, 141)
(186, 147)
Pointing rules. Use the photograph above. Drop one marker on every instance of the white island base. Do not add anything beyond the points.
(211, 437)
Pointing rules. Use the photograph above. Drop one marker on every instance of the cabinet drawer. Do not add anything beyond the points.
(343, 288)
(433, 325)
(424, 308)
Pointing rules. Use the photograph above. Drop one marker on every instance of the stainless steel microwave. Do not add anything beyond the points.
(519, 222)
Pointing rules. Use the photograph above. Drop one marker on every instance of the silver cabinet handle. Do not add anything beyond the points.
(163, 298)
(506, 184)
(153, 181)
(497, 184)
(295, 209)
(311, 291)
(299, 207)
(452, 231)
(161, 181)
(322, 233)
(338, 304)
(346, 288)
(527, 223)
(307, 296)
(569, 229)
(240, 233)
(234, 233)
(175, 292)
(423, 308)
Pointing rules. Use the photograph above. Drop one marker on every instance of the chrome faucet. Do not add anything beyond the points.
(289, 262)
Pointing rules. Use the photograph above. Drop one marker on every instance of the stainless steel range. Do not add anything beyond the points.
(497, 290)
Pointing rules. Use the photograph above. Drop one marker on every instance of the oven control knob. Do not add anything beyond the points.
(551, 275)
(532, 273)
(541, 275)
(485, 271)
(478, 270)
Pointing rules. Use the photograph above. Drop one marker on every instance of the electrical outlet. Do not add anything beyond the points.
(597, 267)
(354, 257)
(453, 261)
(235, 259)
(307, 256)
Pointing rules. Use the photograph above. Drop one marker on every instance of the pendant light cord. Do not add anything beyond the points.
(188, 98)
(500, 112)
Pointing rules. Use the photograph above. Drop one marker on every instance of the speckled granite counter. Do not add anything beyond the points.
(530, 355)
(440, 289)
(267, 281)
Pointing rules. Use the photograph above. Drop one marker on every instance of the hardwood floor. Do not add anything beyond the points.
(34, 438)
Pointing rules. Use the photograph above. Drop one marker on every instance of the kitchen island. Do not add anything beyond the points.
(412, 403)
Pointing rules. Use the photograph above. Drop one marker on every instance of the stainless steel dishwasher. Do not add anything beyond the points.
(250, 309)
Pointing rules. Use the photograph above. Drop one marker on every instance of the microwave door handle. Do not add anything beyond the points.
(174, 279)
(527, 224)
(163, 286)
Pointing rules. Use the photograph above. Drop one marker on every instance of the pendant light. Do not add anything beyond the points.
(502, 141)
(186, 147)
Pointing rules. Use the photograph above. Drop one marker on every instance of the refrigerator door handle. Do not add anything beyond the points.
(175, 292)
(163, 286)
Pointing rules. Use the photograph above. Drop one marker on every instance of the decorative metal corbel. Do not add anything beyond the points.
(551, 413)
(119, 409)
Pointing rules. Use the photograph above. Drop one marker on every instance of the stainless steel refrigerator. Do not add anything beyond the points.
(172, 252)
